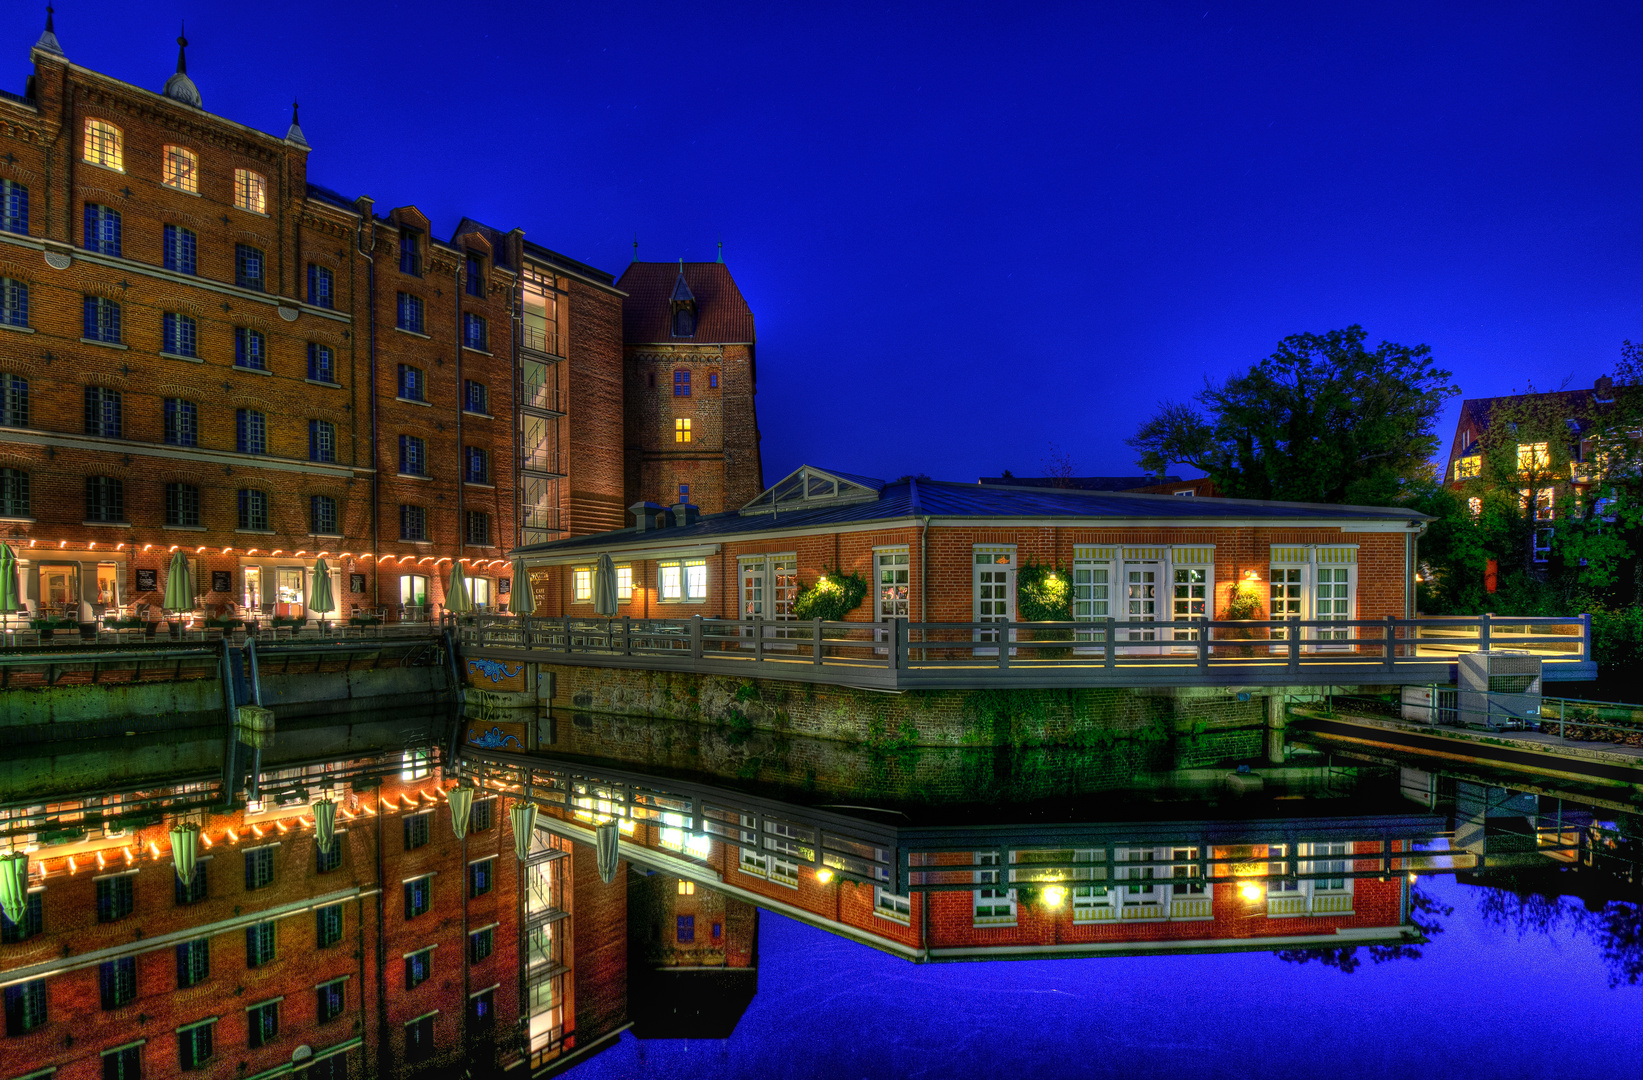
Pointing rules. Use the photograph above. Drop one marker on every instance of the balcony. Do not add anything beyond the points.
(543, 342)
(899, 655)
(541, 399)
(543, 463)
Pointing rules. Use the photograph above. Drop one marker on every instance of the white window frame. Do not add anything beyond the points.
(1092, 894)
(992, 559)
(1134, 864)
(767, 587)
(670, 581)
(695, 571)
(1190, 567)
(107, 148)
(1303, 896)
(251, 191)
(581, 585)
(887, 605)
(1309, 559)
(994, 879)
(887, 905)
(624, 584)
(1092, 586)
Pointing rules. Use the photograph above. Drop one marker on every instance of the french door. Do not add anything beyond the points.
(769, 585)
(993, 588)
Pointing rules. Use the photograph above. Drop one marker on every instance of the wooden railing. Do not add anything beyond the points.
(903, 655)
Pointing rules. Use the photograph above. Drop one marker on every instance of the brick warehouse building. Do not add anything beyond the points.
(203, 351)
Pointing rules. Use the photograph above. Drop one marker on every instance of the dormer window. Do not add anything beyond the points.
(684, 322)
(683, 303)
(410, 260)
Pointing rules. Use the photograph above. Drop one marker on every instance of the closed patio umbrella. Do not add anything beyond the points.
(522, 600)
(524, 824)
(605, 839)
(456, 597)
(325, 825)
(321, 599)
(462, 801)
(604, 587)
(11, 597)
(179, 585)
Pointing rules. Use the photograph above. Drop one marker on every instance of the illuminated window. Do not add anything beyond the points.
(1467, 467)
(687, 888)
(103, 145)
(681, 430)
(1533, 457)
(582, 584)
(180, 169)
(1545, 502)
(695, 579)
(671, 581)
(250, 191)
(624, 584)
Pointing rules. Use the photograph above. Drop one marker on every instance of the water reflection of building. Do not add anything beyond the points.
(1275, 875)
(395, 948)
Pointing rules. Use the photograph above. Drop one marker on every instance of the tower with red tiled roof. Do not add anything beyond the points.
(691, 428)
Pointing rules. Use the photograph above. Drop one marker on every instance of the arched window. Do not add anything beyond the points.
(103, 142)
(250, 191)
(181, 169)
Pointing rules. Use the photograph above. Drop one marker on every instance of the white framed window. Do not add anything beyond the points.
(1533, 458)
(1545, 502)
(1188, 599)
(695, 580)
(581, 585)
(1092, 899)
(1141, 583)
(250, 191)
(887, 905)
(993, 588)
(1092, 590)
(674, 835)
(624, 584)
(1334, 600)
(1314, 583)
(104, 145)
(1143, 892)
(994, 906)
(1286, 597)
(1468, 467)
(1328, 893)
(670, 581)
(890, 582)
(180, 169)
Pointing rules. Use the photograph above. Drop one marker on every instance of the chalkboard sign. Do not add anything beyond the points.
(147, 581)
(356, 583)
(222, 581)
(504, 584)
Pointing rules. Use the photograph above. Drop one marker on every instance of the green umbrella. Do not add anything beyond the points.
(10, 596)
(179, 585)
(320, 598)
(456, 597)
(522, 601)
(604, 587)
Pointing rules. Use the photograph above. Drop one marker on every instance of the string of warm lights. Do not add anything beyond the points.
(91, 545)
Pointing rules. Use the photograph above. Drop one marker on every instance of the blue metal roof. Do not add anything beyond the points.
(945, 499)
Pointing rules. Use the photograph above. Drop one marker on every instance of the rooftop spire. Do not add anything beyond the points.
(721, 247)
(294, 134)
(48, 38)
(636, 245)
(180, 87)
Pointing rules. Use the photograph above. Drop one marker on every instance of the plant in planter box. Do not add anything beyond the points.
(831, 597)
(1243, 605)
(1043, 593)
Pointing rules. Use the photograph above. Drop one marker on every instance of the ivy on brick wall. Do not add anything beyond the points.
(833, 596)
(1043, 593)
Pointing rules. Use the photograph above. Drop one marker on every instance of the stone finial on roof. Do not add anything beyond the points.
(636, 246)
(48, 37)
(180, 87)
(293, 134)
(721, 247)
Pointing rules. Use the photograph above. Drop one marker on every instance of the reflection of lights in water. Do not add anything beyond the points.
(1250, 891)
(1055, 896)
(824, 875)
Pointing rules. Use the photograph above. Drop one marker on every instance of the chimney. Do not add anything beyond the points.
(685, 513)
(648, 516)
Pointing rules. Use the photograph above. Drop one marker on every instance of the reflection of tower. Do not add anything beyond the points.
(692, 955)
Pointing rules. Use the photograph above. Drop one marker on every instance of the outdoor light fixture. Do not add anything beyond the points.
(824, 875)
(1055, 896)
(1250, 575)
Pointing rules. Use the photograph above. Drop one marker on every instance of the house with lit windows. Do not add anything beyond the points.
(1556, 445)
(939, 552)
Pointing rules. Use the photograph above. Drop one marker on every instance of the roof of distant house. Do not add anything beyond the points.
(722, 315)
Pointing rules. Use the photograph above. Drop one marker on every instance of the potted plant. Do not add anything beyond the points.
(1244, 604)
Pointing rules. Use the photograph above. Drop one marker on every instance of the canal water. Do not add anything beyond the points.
(778, 907)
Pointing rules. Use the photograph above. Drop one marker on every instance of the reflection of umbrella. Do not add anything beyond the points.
(14, 885)
(179, 585)
(184, 851)
(605, 843)
(10, 596)
(320, 597)
(456, 597)
(604, 587)
(461, 800)
(325, 825)
(524, 823)
(522, 601)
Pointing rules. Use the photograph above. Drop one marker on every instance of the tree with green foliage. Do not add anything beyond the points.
(1323, 419)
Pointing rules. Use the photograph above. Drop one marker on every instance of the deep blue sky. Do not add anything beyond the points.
(968, 231)
(1467, 1009)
